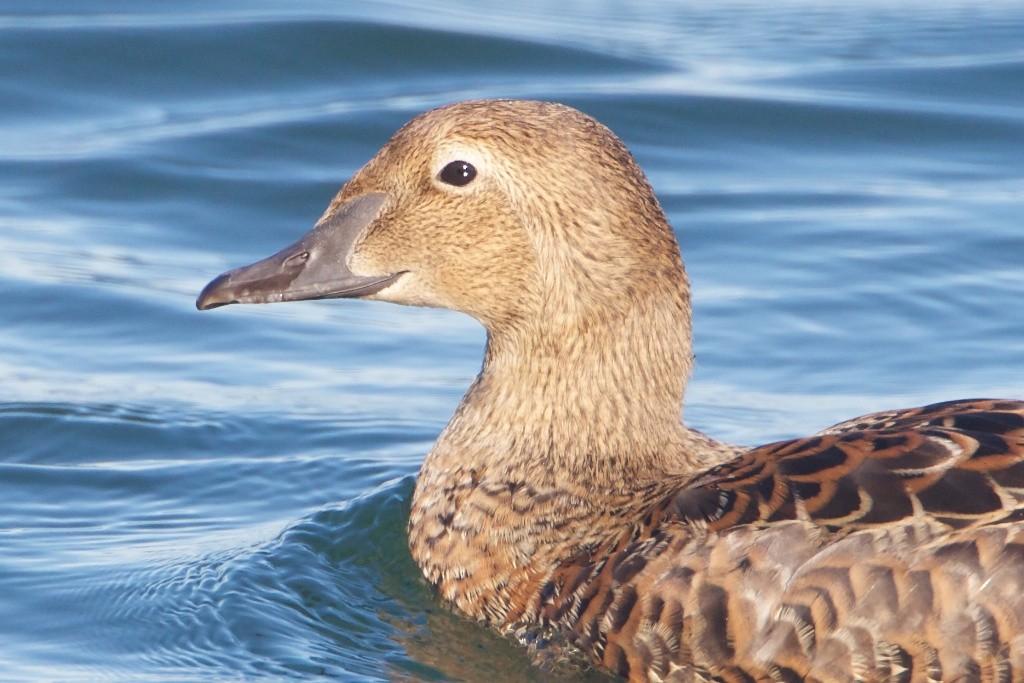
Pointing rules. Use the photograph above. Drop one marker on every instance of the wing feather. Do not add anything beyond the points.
(885, 548)
(959, 462)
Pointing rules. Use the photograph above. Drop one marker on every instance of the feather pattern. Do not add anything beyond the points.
(886, 548)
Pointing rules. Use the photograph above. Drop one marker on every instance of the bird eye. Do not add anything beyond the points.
(457, 173)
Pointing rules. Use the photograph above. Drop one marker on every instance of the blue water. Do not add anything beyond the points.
(210, 496)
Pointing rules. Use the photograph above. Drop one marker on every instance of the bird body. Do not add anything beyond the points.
(567, 503)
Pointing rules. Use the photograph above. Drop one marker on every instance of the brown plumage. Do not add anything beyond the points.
(567, 504)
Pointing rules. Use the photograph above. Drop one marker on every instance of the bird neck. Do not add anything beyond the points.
(596, 400)
(567, 437)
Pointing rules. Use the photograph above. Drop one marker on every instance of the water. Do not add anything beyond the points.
(189, 496)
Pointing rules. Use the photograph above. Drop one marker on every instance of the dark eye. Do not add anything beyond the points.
(457, 173)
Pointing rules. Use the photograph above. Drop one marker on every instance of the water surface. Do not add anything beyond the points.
(214, 496)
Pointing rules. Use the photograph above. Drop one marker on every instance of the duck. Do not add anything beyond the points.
(568, 505)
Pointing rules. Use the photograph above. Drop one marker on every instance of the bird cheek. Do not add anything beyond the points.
(380, 251)
(408, 290)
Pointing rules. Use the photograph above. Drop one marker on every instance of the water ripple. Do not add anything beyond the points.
(192, 496)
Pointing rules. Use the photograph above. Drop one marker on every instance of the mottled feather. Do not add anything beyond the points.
(764, 577)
